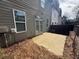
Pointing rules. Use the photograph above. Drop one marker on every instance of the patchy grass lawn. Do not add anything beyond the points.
(27, 50)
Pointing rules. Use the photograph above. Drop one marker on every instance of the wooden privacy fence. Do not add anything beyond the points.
(61, 29)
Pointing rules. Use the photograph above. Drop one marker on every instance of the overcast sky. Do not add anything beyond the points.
(67, 7)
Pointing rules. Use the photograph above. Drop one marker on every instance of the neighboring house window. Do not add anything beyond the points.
(42, 3)
(19, 20)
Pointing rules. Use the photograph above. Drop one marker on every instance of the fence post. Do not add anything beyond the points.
(69, 47)
(76, 29)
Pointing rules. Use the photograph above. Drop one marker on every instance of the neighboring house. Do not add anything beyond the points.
(76, 20)
(56, 13)
(24, 18)
(55, 17)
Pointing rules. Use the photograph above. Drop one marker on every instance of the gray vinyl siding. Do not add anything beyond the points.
(32, 9)
(6, 17)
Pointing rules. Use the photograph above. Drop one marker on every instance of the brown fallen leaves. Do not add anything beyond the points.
(28, 50)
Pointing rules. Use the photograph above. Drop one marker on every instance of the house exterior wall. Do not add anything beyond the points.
(56, 19)
(56, 13)
(47, 12)
(55, 16)
(32, 8)
(6, 17)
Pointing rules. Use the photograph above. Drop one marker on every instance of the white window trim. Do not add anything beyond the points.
(19, 22)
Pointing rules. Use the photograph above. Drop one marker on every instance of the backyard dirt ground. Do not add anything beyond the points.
(27, 50)
(31, 49)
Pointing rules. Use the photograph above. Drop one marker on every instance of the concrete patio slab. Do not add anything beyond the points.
(53, 42)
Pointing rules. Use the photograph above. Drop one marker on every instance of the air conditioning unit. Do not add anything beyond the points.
(6, 36)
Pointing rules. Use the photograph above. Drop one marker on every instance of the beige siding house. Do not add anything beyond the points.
(20, 19)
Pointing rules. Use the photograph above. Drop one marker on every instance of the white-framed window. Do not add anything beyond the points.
(42, 3)
(19, 21)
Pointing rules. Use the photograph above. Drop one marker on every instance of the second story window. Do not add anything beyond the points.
(42, 3)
